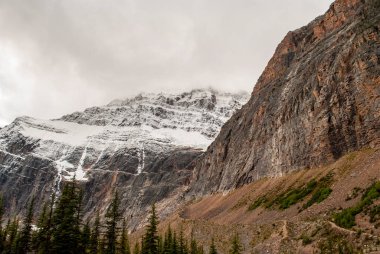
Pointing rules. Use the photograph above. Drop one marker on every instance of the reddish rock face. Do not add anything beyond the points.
(318, 98)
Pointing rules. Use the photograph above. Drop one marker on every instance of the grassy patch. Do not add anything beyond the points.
(296, 195)
(318, 189)
(319, 195)
(346, 218)
(258, 202)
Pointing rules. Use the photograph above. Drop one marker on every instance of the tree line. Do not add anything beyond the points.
(60, 229)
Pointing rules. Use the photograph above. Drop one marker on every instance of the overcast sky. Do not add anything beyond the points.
(60, 56)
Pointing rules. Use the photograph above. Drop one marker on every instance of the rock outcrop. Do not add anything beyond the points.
(318, 98)
(144, 146)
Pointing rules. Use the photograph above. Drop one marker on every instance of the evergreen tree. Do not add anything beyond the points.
(174, 245)
(236, 247)
(124, 241)
(136, 249)
(95, 234)
(6, 231)
(37, 235)
(182, 248)
(213, 247)
(12, 242)
(66, 233)
(193, 244)
(85, 239)
(44, 225)
(113, 215)
(168, 241)
(150, 240)
(26, 232)
(160, 244)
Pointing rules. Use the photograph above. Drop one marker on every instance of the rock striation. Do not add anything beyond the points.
(317, 99)
(144, 146)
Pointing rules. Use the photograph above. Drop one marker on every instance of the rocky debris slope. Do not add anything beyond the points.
(254, 211)
(144, 146)
(318, 98)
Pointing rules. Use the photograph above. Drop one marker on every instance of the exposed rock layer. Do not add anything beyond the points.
(318, 98)
(144, 147)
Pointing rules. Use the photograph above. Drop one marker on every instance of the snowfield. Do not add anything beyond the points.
(147, 123)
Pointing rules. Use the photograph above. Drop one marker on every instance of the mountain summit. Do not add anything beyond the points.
(317, 99)
(144, 145)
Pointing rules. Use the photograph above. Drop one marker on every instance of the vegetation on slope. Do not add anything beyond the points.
(318, 189)
(60, 229)
(346, 218)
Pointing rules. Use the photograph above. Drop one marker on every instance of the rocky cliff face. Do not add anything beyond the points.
(318, 98)
(144, 146)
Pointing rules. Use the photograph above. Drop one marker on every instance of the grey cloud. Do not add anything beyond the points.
(59, 56)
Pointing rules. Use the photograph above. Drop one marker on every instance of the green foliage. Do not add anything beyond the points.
(85, 238)
(42, 237)
(319, 189)
(150, 240)
(346, 218)
(113, 216)
(258, 202)
(26, 232)
(212, 247)
(296, 195)
(374, 214)
(59, 230)
(124, 241)
(66, 220)
(94, 239)
(319, 195)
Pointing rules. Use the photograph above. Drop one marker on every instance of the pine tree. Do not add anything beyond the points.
(160, 244)
(66, 220)
(136, 249)
(182, 244)
(150, 241)
(174, 245)
(124, 241)
(26, 232)
(168, 241)
(44, 225)
(113, 215)
(85, 239)
(6, 231)
(12, 242)
(236, 247)
(213, 247)
(193, 244)
(95, 234)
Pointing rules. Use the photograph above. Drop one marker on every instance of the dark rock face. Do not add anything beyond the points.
(144, 147)
(318, 98)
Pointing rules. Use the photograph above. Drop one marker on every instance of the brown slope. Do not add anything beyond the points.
(318, 98)
(272, 230)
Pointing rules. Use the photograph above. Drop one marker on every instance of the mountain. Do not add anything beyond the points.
(296, 169)
(317, 99)
(143, 146)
